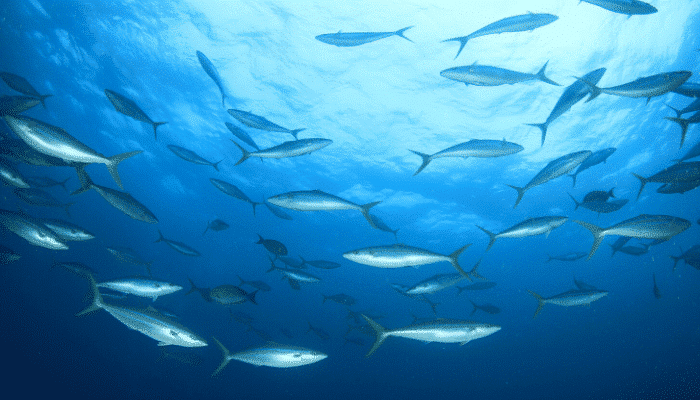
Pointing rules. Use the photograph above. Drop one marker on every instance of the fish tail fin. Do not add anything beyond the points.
(365, 212)
(303, 262)
(678, 112)
(241, 279)
(540, 302)
(643, 181)
(382, 334)
(550, 258)
(160, 237)
(401, 31)
(113, 163)
(193, 288)
(575, 202)
(426, 160)
(63, 183)
(454, 260)
(543, 127)
(44, 97)
(492, 237)
(541, 76)
(156, 125)
(521, 192)
(226, 359)
(261, 240)
(85, 181)
(593, 89)
(473, 271)
(244, 156)
(272, 262)
(216, 164)
(475, 307)
(395, 235)
(684, 126)
(611, 193)
(66, 206)
(254, 204)
(597, 236)
(295, 132)
(205, 231)
(573, 176)
(462, 42)
(251, 297)
(97, 302)
(676, 259)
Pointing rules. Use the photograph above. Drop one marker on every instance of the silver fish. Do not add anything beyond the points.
(293, 148)
(648, 86)
(17, 150)
(67, 231)
(293, 274)
(600, 156)
(141, 287)
(472, 148)
(241, 134)
(213, 74)
(529, 227)
(485, 75)
(127, 107)
(178, 246)
(272, 355)
(476, 286)
(401, 255)
(570, 298)
(683, 172)
(627, 7)
(11, 176)
(21, 85)
(435, 283)
(350, 39)
(40, 198)
(316, 200)
(262, 123)
(191, 156)
(231, 190)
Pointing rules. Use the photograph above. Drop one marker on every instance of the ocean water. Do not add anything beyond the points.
(375, 102)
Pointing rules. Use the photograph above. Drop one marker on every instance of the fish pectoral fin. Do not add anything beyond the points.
(463, 343)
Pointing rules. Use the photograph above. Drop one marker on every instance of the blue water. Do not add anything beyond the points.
(375, 101)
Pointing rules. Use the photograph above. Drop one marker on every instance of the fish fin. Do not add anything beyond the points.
(597, 236)
(242, 281)
(492, 237)
(193, 288)
(540, 302)
(454, 260)
(244, 156)
(97, 302)
(473, 271)
(261, 240)
(575, 202)
(160, 238)
(462, 42)
(295, 132)
(251, 297)
(381, 333)
(254, 204)
(273, 267)
(684, 126)
(550, 258)
(216, 165)
(521, 192)
(543, 127)
(63, 183)
(365, 212)
(156, 125)
(65, 207)
(643, 181)
(648, 100)
(426, 160)
(678, 112)
(593, 89)
(42, 98)
(401, 31)
(205, 231)
(573, 176)
(474, 310)
(226, 359)
(113, 163)
(85, 181)
(302, 261)
(611, 193)
(540, 75)
(154, 298)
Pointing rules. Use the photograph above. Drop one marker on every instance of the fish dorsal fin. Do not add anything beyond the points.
(340, 31)
(475, 63)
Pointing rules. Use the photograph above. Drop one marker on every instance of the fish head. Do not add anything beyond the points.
(50, 240)
(188, 339)
(309, 357)
(482, 330)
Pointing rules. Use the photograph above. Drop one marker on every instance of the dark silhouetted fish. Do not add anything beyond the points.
(127, 107)
(7, 255)
(678, 187)
(619, 243)
(600, 156)
(229, 295)
(649, 86)
(599, 195)
(216, 225)
(583, 286)
(692, 153)
(75, 267)
(319, 332)
(14, 105)
(657, 292)
(260, 285)
(292, 148)
(634, 250)
(570, 298)
(472, 148)
(204, 292)
(573, 256)
(694, 106)
(683, 172)
(40, 198)
(690, 257)
(627, 7)
(379, 224)
(191, 156)
(529, 227)
(323, 264)
(487, 308)
(241, 317)
(351, 39)
(476, 286)
(273, 246)
(127, 255)
(241, 134)
(213, 74)
(688, 89)
(292, 262)
(486, 75)
(603, 207)
(178, 246)
(233, 191)
(435, 283)
(19, 84)
(340, 299)
(262, 123)
(684, 122)
(45, 182)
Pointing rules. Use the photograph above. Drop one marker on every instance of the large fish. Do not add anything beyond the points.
(272, 355)
(678, 187)
(292, 148)
(683, 172)
(554, 169)
(627, 7)
(440, 330)
(191, 156)
(14, 105)
(350, 39)
(684, 122)
(644, 226)
(600, 156)
(692, 153)
(570, 298)
(56, 142)
(233, 191)
(178, 246)
(67, 231)
(529, 227)
(21, 85)
(517, 23)
(40, 198)
(141, 287)
(435, 283)
(148, 321)
(648, 86)
(688, 89)
(694, 106)
(241, 134)
(572, 95)
(485, 75)
(262, 123)
(210, 69)
(316, 200)
(472, 148)
(401, 255)
(127, 107)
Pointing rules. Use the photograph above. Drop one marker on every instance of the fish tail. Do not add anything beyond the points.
(226, 359)
(521, 192)
(543, 128)
(148, 268)
(684, 126)
(272, 262)
(295, 132)
(97, 302)
(42, 98)
(593, 89)
(245, 155)
(475, 307)
(63, 183)
(395, 235)
(492, 237)
(223, 100)
(541, 76)
(242, 281)
(85, 181)
(156, 125)
(550, 258)
(160, 237)
(597, 236)
(365, 212)
(462, 42)
(611, 193)
(302, 261)
(676, 259)
(454, 260)
(193, 288)
(261, 240)
(66, 206)
(426, 160)
(678, 112)
(540, 302)
(573, 176)
(473, 271)
(251, 297)
(575, 202)
(382, 334)
(643, 181)
(113, 163)
(401, 31)
(254, 204)
(216, 165)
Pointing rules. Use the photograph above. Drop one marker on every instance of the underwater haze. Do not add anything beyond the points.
(366, 225)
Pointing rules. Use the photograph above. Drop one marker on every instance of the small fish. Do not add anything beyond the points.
(600, 156)
(178, 246)
(684, 123)
(627, 7)
(619, 243)
(529, 227)
(41, 198)
(690, 257)
(241, 317)
(292, 148)
(351, 39)
(356, 341)
(435, 283)
(600, 206)
(260, 285)
(182, 357)
(271, 355)
(340, 299)
(573, 256)
(683, 172)
(262, 123)
(21, 85)
(634, 250)
(67, 231)
(294, 276)
(127, 107)
(75, 267)
(216, 225)
(233, 191)
(14, 105)
(127, 255)
(292, 262)
(141, 287)
(7, 255)
(273, 246)
(599, 195)
(204, 292)
(319, 332)
(648, 86)
(476, 286)
(472, 148)
(323, 264)
(229, 294)
(316, 200)
(584, 286)
(191, 156)
(241, 134)
(570, 298)
(486, 75)
(31, 230)
(277, 212)
(379, 224)
(213, 74)
(487, 308)
(11, 175)
(45, 182)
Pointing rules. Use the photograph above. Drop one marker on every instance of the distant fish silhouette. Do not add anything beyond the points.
(350, 39)
(127, 107)
(21, 85)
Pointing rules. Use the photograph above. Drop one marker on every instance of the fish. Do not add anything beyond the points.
(14, 105)
(657, 292)
(351, 39)
(600, 156)
(356, 341)
(323, 264)
(75, 267)
(122, 201)
(7, 255)
(41, 198)
(487, 308)
(684, 123)
(340, 299)
(634, 250)
(554, 169)
(129, 108)
(440, 330)
(56, 142)
(517, 23)
(18, 151)
(476, 286)
(316, 200)
(291, 262)
(287, 333)
(644, 226)
(627, 7)
(11, 175)
(271, 355)
(150, 322)
(648, 86)
(619, 243)
(692, 153)
(241, 317)
(262, 123)
(242, 135)
(229, 294)
(683, 172)
(584, 286)
(127, 255)
(688, 89)
(31, 230)
(678, 187)
(319, 332)
(231, 190)
(178, 246)
(472, 148)
(46, 182)
(294, 276)
(529, 227)
(191, 156)
(690, 257)
(210, 69)
(569, 298)
(273, 246)
(401, 255)
(204, 292)
(292, 148)
(21, 85)
(260, 285)
(277, 212)
(379, 224)
(67, 231)
(216, 225)
(572, 95)
(486, 75)
(435, 283)
(141, 287)
(422, 298)
(599, 195)
(694, 106)
(600, 206)
(263, 335)
(573, 256)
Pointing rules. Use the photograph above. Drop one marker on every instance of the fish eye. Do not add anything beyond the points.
(297, 355)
